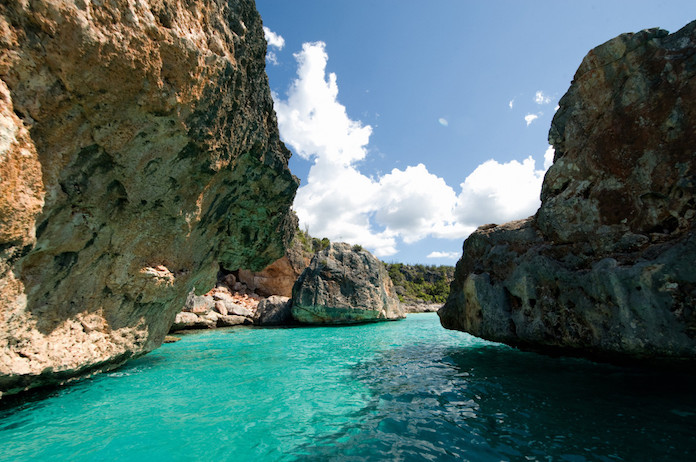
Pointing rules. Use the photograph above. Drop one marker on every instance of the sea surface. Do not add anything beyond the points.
(403, 391)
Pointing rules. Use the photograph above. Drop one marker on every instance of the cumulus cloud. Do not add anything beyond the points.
(529, 118)
(541, 98)
(341, 203)
(511, 103)
(448, 255)
(312, 121)
(548, 157)
(273, 39)
(443, 122)
(496, 193)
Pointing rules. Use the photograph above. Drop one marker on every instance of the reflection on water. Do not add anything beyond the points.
(497, 403)
(406, 390)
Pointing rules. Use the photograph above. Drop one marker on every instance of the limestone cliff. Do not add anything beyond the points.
(606, 266)
(139, 151)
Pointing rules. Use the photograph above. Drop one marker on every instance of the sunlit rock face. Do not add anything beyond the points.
(345, 285)
(606, 266)
(139, 151)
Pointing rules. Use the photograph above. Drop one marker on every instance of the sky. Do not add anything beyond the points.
(412, 123)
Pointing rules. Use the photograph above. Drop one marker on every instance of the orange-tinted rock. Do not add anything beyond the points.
(139, 151)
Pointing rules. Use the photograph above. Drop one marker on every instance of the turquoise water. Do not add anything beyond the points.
(406, 390)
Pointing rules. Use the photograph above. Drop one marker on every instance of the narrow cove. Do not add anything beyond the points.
(406, 390)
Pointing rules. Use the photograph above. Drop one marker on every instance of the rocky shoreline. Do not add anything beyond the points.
(343, 284)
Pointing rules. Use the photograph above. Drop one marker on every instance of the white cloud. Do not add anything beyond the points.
(529, 118)
(448, 255)
(556, 108)
(548, 157)
(273, 39)
(272, 58)
(312, 121)
(341, 203)
(443, 121)
(497, 193)
(511, 103)
(541, 98)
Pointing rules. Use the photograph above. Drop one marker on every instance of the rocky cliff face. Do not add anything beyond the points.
(138, 152)
(278, 277)
(344, 285)
(605, 267)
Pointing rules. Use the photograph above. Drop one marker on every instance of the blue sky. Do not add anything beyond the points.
(412, 123)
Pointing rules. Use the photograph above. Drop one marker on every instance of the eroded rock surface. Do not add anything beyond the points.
(274, 311)
(278, 277)
(139, 151)
(605, 268)
(344, 285)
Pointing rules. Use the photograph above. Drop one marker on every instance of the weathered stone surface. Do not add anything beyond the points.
(274, 311)
(230, 320)
(185, 320)
(423, 307)
(344, 285)
(278, 277)
(139, 152)
(605, 268)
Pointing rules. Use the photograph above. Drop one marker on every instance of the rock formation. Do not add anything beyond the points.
(278, 277)
(606, 266)
(274, 311)
(139, 151)
(344, 285)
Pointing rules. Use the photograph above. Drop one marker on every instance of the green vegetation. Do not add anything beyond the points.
(310, 245)
(429, 283)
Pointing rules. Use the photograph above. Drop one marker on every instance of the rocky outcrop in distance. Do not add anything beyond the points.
(140, 152)
(606, 266)
(344, 285)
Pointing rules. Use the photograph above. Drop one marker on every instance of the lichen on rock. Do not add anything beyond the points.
(139, 153)
(605, 267)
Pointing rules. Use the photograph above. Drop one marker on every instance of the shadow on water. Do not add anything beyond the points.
(497, 403)
(36, 398)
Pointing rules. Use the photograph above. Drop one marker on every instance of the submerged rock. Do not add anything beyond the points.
(606, 266)
(140, 152)
(344, 285)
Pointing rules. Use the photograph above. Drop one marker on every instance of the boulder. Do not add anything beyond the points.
(274, 311)
(344, 285)
(185, 320)
(421, 307)
(220, 307)
(230, 320)
(605, 268)
(140, 152)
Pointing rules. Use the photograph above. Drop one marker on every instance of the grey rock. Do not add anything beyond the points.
(344, 285)
(605, 268)
(185, 320)
(236, 309)
(230, 320)
(274, 311)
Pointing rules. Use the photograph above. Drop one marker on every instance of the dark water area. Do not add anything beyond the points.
(406, 390)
